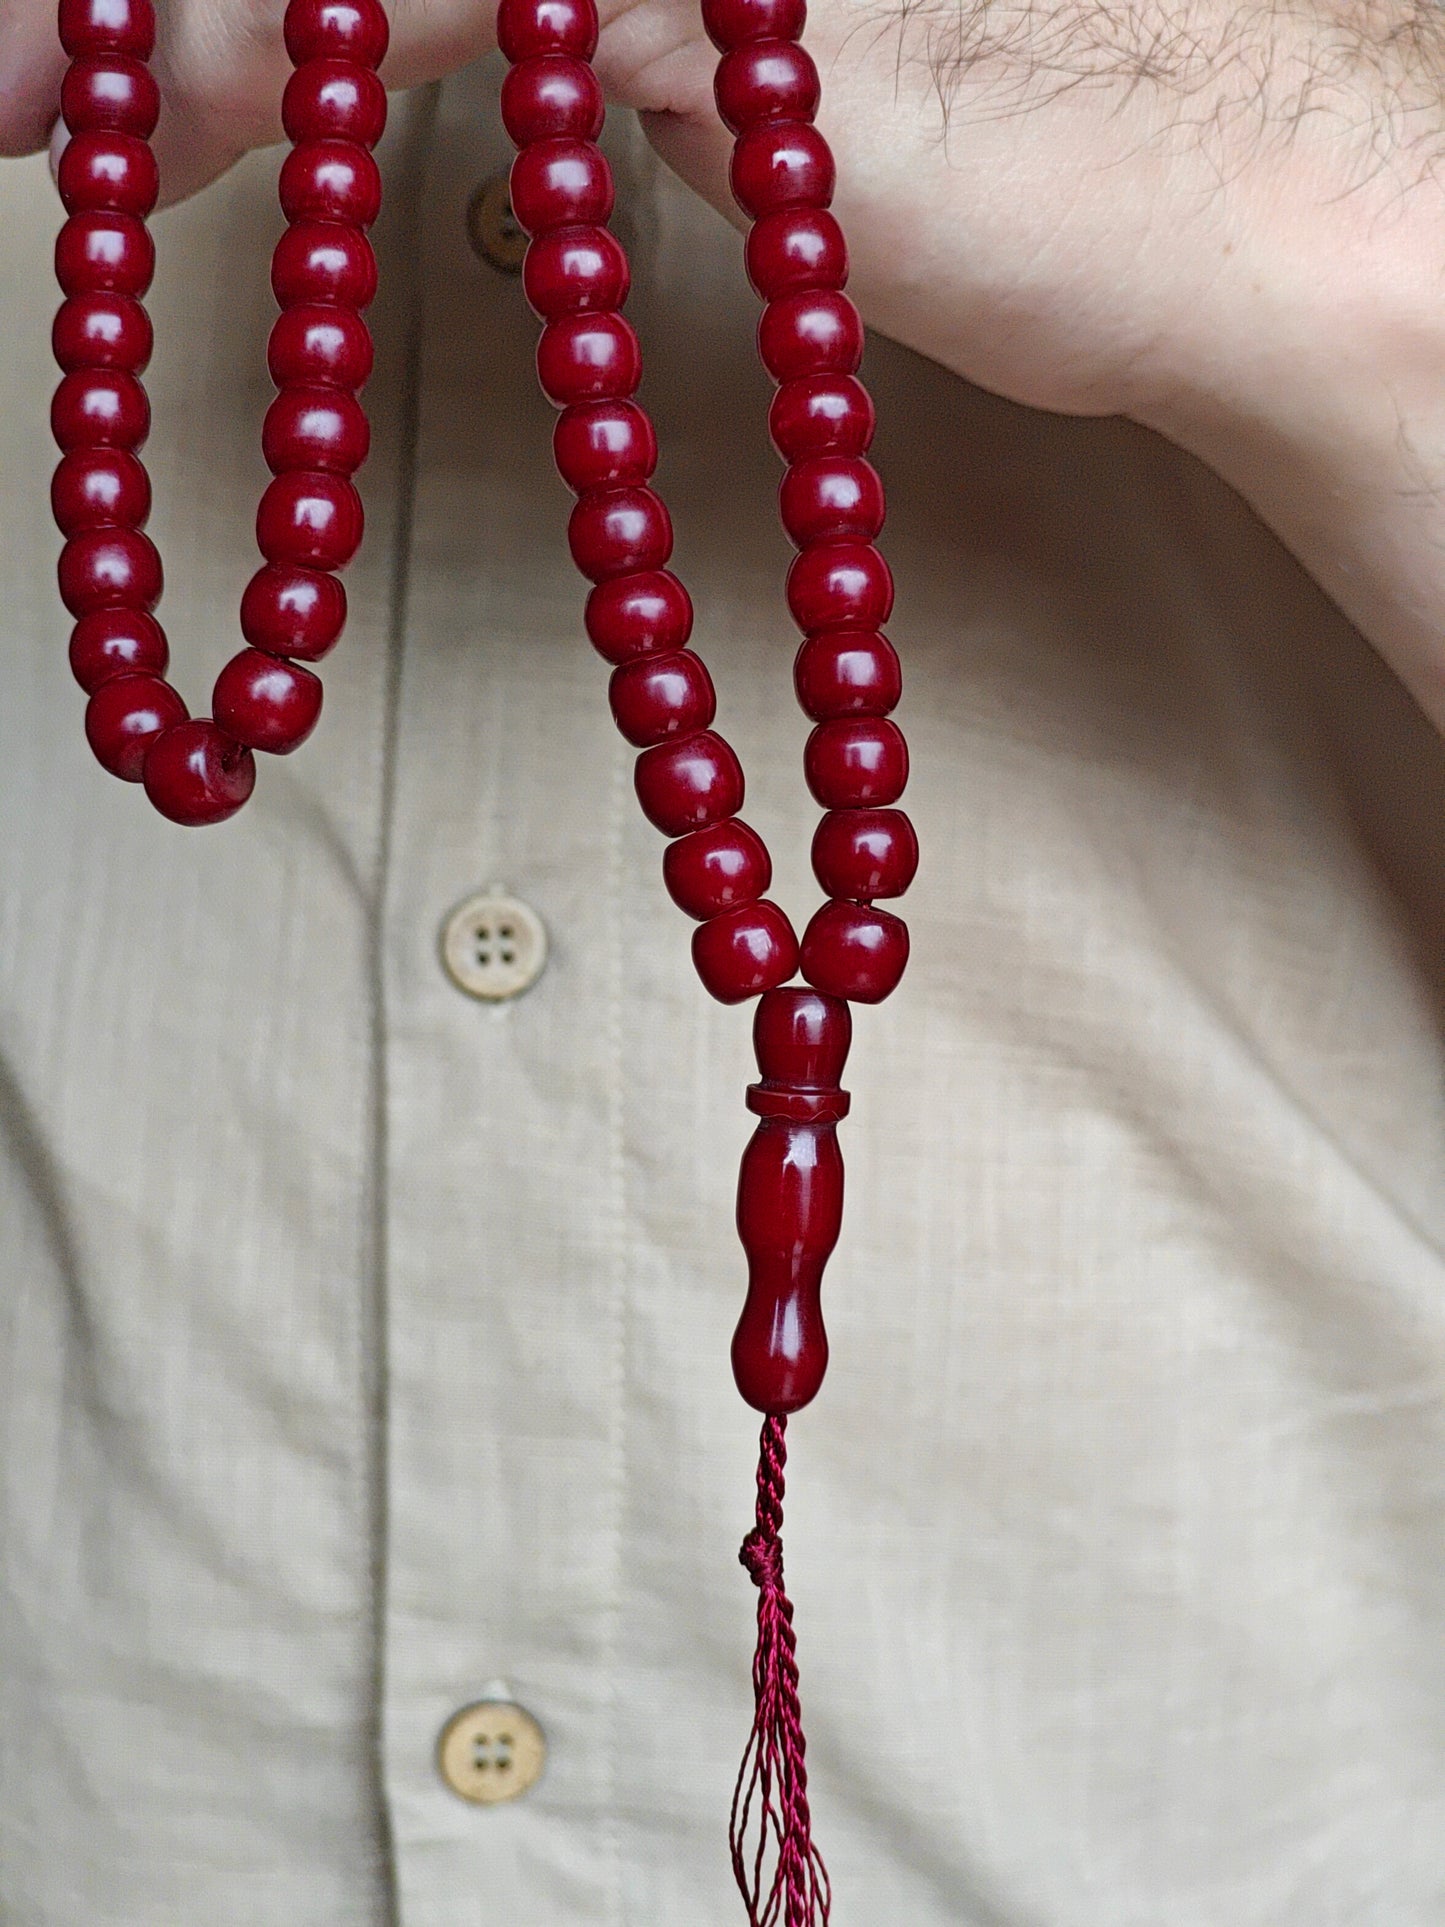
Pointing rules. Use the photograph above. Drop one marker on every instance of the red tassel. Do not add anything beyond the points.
(773, 1773)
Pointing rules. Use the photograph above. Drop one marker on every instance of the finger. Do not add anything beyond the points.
(31, 67)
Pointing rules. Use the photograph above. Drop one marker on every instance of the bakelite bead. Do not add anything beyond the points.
(575, 271)
(309, 520)
(100, 407)
(619, 531)
(845, 673)
(108, 27)
(852, 950)
(831, 498)
(101, 331)
(795, 251)
(266, 703)
(323, 262)
(109, 569)
(96, 488)
(197, 774)
(657, 697)
(560, 183)
(789, 1214)
(113, 173)
(293, 612)
(315, 428)
(685, 786)
(865, 853)
(104, 253)
(353, 30)
(588, 357)
(745, 951)
(110, 93)
(821, 415)
(334, 100)
(604, 444)
(817, 333)
(529, 27)
(856, 762)
(319, 347)
(330, 180)
(116, 642)
(552, 97)
(635, 615)
(766, 80)
(801, 1039)
(716, 869)
(124, 718)
(731, 23)
(840, 585)
(781, 164)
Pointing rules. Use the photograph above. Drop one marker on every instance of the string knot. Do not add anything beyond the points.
(763, 1558)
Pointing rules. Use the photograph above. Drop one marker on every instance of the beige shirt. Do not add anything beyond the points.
(365, 1346)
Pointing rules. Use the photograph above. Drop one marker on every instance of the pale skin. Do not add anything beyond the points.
(1225, 222)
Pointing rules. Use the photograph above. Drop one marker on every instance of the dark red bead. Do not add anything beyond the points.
(104, 252)
(552, 97)
(847, 673)
(110, 93)
(314, 347)
(789, 1213)
(865, 853)
(856, 761)
(821, 415)
(100, 408)
(97, 488)
(618, 531)
(575, 271)
(323, 262)
(116, 642)
(197, 774)
(125, 716)
(716, 869)
(801, 1039)
(315, 428)
(266, 703)
(309, 520)
(293, 612)
(684, 786)
(561, 183)
(840, 585)
(745, 951)
(334, 100)
(110, 173)
(526, 28)
(818, 333)
(109, 569)
(656, 697)
(795, 251)
(353, 30)
(604, 444)
(329, 180)
(108, 27)
(831, 498)
(852, 950)
(588, 357)
(102, 331)
(765, 80)
(732, 23)
(635, 615)
(781, 164)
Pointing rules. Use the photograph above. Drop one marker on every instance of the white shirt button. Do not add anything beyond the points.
(494, 946)
(491, 1751)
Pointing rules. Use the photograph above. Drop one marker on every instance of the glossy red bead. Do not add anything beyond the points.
(96, 488)
(313, 347)
(526, 28)
(789, 1213)
(116, 642)
(831, 498)
(818, 333)
(108, 27)
(588, 357)
(821, 415)
(293, 612)
(745, 951)
(575, 271)
(731, 23)
(310, 521)
(657, 697)
(354, 30)
(111, 173)
(684, 786)
(780, 164)
(123, 719)
(197, 774)
(855, 951)
(100, 407)
(865, 853)
(334, 100)
(765, 80)
(847, 673)
(323, 262)
(109, 568)
(104, 252)
(840, 585)
(102, 331)
(635, 615)
(110, 93)
(801, 1039)
(330, 180)
(266, 703)
(560, 183)
(716, 869)
(315, 428)
(619, 531)
(795, 251)
(856, 761)
(604, 444)
(552, 97)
